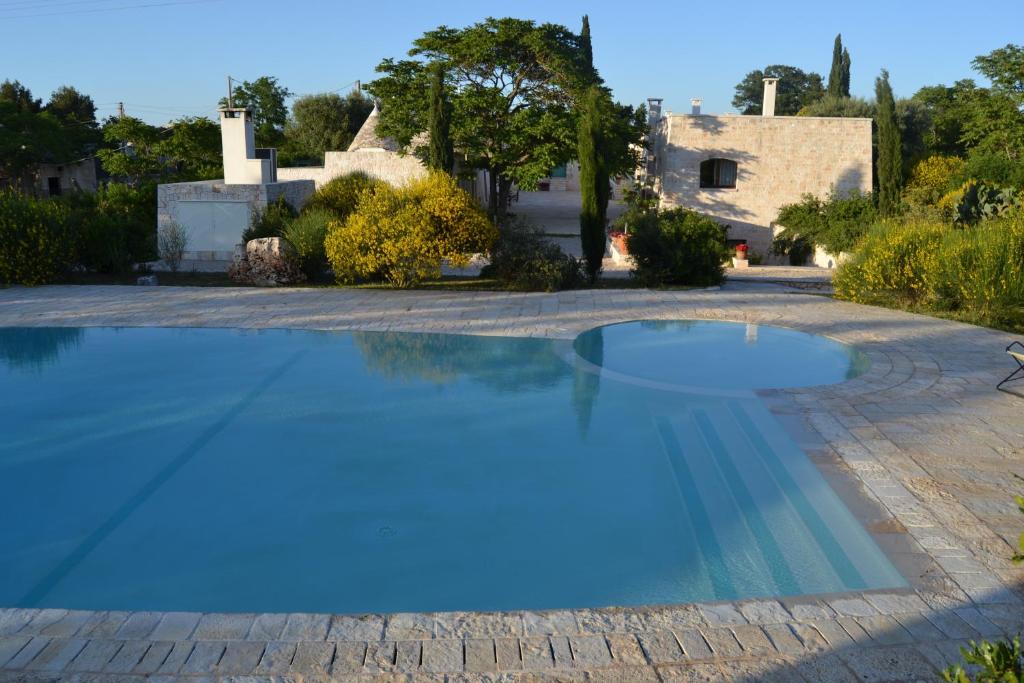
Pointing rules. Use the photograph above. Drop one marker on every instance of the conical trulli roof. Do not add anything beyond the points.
(367, 137)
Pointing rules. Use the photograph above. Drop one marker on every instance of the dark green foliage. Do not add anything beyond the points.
(839, 75)
(36, 245)
(995, 169)
(586, 47)
(322, 123)
(271, 222)
(441, 155)
(511, 84)
(113, 229)
(890, 148)
(678, 247)
(981, 201)
(306, 234)
(593, 180)
(796, 89)
(340, 196)
(796, 249)
(835, 224)
(193, 148)
(265, 98)
(523, 259)
(18, 95)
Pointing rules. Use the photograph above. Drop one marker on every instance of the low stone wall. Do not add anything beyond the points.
(390, 167)
(216, 213)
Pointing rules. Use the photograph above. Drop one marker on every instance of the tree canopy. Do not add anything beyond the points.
(323, 123)
(512, 85)
(796, 89)
(266, 99)
(839, 75)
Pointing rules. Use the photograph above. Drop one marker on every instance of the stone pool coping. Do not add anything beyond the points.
(922, 440)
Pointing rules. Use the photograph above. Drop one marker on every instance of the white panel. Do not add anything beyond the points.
(213, 226)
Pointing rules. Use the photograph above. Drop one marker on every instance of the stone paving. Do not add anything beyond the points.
(923, 442)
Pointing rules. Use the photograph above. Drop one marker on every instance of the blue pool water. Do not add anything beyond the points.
(226, 470)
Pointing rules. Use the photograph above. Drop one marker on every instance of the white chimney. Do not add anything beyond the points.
(768, 105)
(695, 106)
(244, 164)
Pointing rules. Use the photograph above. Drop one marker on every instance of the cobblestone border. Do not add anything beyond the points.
(923, 433)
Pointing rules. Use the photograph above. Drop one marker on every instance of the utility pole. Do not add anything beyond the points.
(231, 101)
(359, 86)
(120, 110)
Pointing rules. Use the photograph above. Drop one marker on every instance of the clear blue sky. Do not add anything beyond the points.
(171, 57)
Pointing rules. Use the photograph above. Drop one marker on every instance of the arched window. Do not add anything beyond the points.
(718, 173)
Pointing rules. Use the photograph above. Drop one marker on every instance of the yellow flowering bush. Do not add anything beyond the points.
(35, 242)
(978, 272)
(932, 179)
(403, 235)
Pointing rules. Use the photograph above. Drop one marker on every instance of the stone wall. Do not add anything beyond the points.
(778, 159)
(212, 240)
(388, 166)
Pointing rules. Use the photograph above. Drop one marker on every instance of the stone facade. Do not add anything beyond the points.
(382, 164)
(779, 158)
(216, 243)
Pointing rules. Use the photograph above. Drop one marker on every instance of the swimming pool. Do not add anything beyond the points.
(275, 470)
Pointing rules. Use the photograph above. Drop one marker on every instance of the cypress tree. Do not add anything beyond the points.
(441, 154)
(890, 147)
(593, 180)
(835, 75)
(845, 80)
(586, 48)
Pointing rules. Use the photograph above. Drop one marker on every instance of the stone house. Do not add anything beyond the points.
(741, 170)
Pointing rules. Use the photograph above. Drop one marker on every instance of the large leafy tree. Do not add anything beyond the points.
(890, 147)
(796, 89)
(76, 112)
(266, 99)
(193, 147)
(512, 85)
(324, 123)
(28, 135)
(133, 151)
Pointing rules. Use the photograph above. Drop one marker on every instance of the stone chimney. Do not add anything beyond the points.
(244, 163)
(695, 106)
(768, 105)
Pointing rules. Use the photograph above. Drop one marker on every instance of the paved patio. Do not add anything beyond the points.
(921, 447)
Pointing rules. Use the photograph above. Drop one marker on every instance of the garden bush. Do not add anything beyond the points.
(977, 272)
(835, 224)
(524, 259)
(932, 179)
(270, 222)
(306, 234)
(403, 235)
(36, 245)
(113, 228)
(341, 195)
(678, 247)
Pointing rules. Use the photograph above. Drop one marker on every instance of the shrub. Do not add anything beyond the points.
(835, 224)
(114, 228)
(678, 246)
(524, 259)
(306, 234)
(796, 249)
(35, 243)
(403, 235)
(341, 195)
(979, 272)
(172, 241)
(270, 222)
(932, 179)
